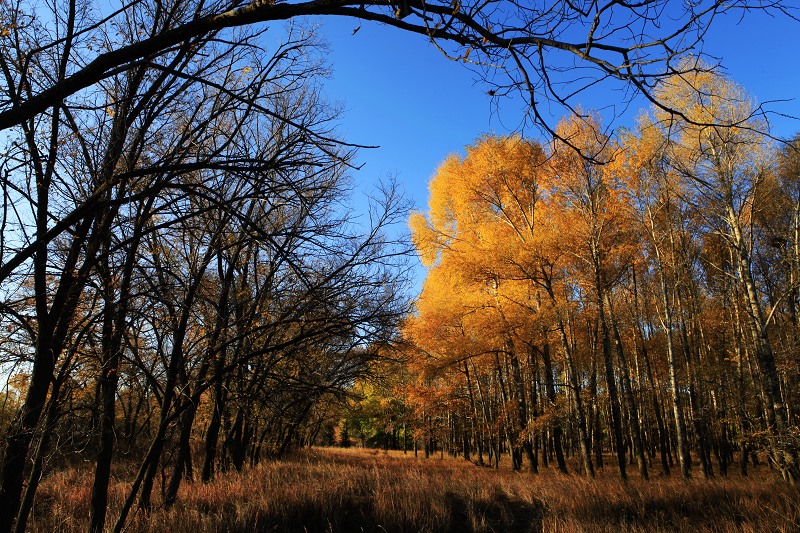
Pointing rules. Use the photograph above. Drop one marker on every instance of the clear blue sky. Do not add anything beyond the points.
(400, 93)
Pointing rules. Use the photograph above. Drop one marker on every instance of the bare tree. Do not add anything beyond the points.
(149, 151)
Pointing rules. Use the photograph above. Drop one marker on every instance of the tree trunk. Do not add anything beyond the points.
(627, 391)
(183, 461)
(616, 417)
(583, 435)
(784, 456)
(214, 426)
(551, 394)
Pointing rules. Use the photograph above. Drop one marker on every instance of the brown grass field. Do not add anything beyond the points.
(346, 490)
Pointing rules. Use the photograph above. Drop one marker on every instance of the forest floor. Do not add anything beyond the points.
(351, 490)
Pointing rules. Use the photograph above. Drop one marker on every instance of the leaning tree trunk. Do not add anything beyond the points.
(183, 461)
(784, 455)
(52, 329)
(51, 417)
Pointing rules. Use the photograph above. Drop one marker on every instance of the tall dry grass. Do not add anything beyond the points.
(361, 490)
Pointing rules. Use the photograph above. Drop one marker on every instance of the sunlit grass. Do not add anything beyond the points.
(363, 490)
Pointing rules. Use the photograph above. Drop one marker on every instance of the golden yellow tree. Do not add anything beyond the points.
(482, 207)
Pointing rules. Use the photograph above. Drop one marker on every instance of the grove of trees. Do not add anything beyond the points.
(641, 301)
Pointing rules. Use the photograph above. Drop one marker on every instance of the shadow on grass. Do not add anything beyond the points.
(357, 514)
(500, 513)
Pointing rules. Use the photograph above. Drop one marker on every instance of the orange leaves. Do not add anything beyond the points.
(494, 183)
(599, 223)
(426, 240)
(512, 231)
(483, 240)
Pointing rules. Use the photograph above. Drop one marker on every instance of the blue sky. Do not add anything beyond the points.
(401, 94)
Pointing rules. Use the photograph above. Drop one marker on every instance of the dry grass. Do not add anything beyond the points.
(362, 490)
